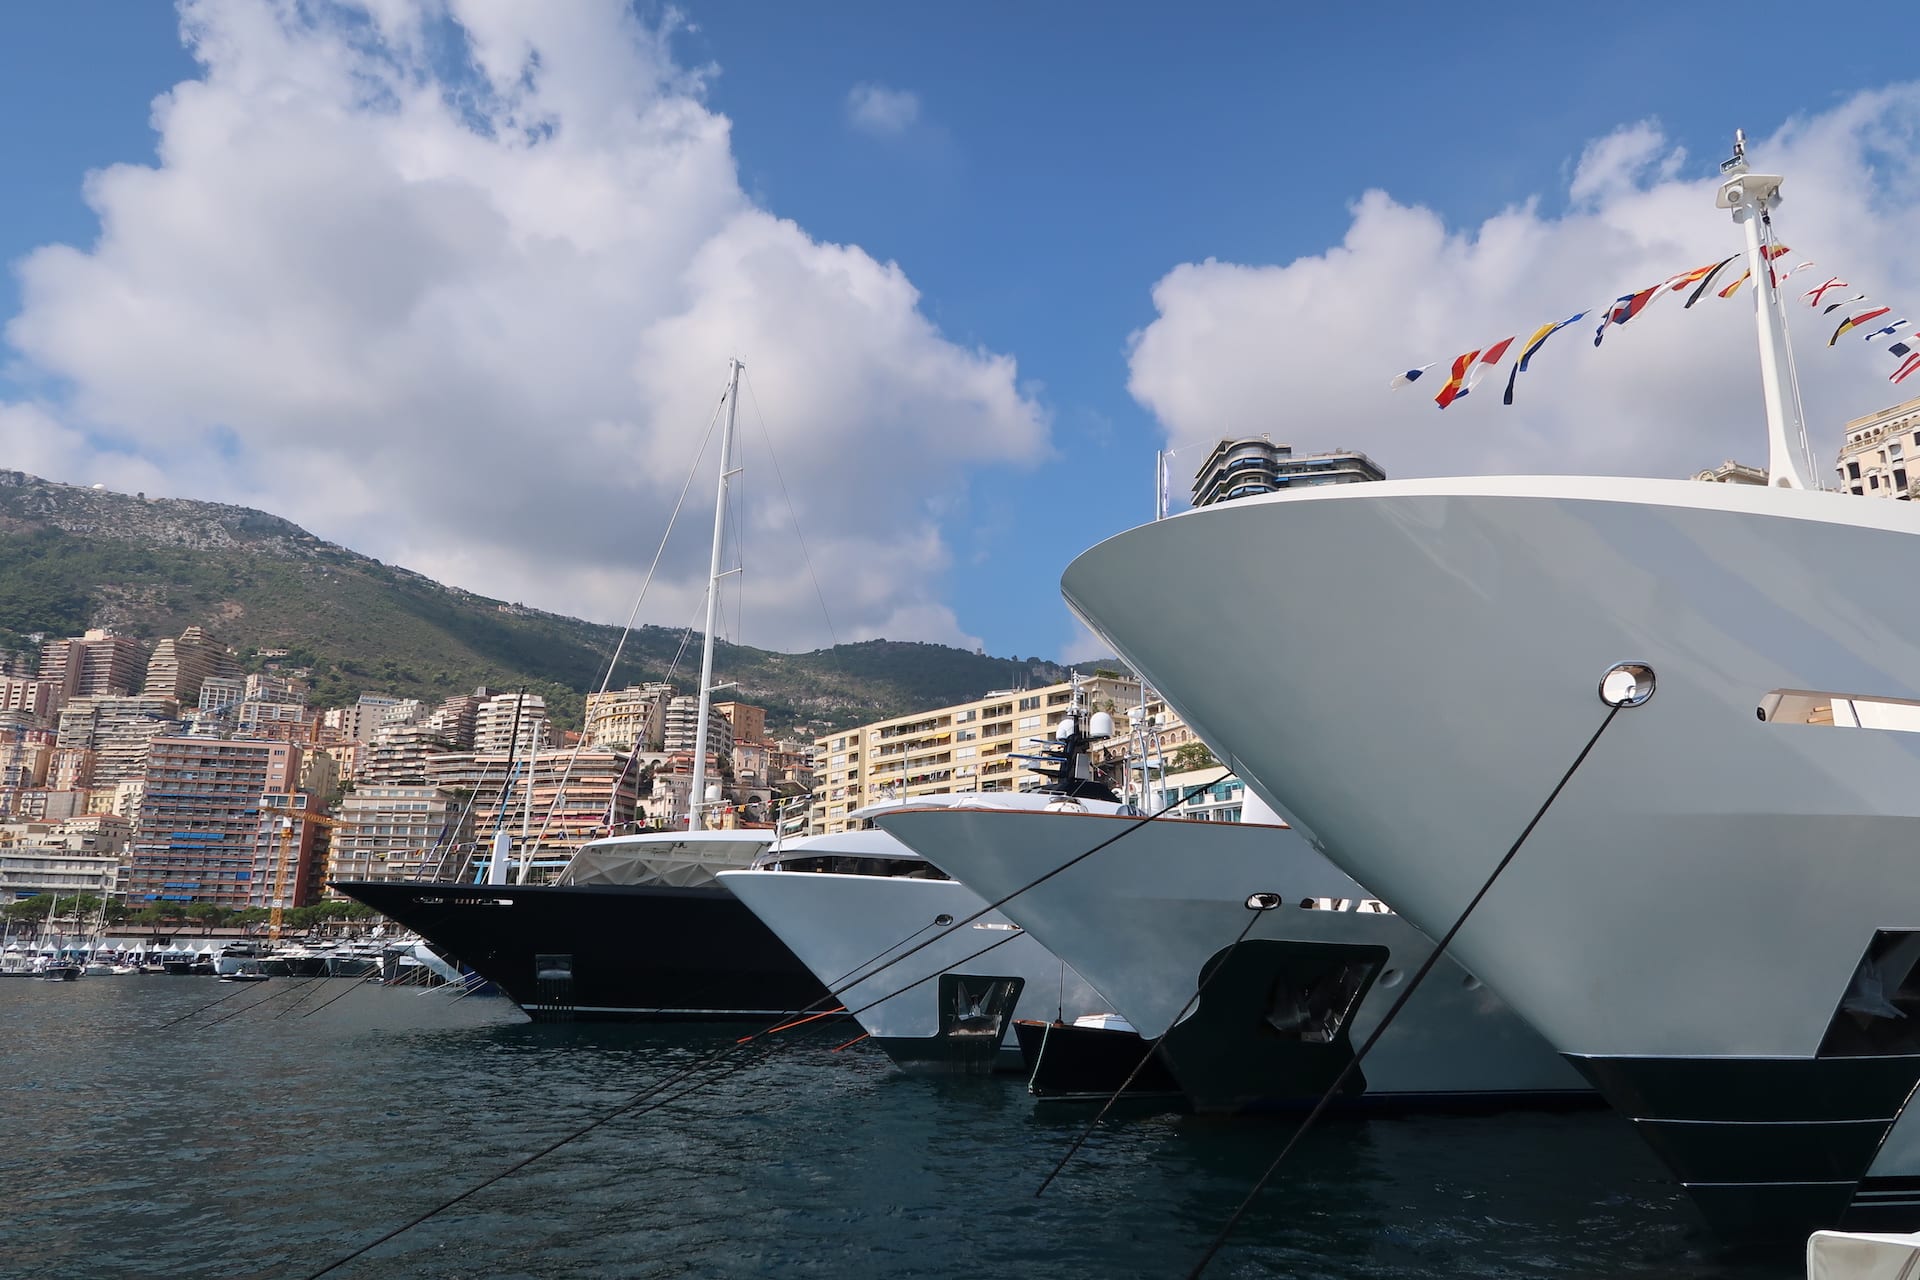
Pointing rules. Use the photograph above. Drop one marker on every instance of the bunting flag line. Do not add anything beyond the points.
(1451, 391)
(1488, 358)
(1862, 318)
(1706, 282)
(1814, 295)
(1696, 275)
(1534, 343)
(1859, 313)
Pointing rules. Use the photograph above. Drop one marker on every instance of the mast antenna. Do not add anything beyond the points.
(1751, 198)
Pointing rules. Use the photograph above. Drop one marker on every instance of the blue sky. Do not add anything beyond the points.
(1044, 167)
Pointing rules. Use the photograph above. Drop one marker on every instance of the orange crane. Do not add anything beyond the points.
(277, 916)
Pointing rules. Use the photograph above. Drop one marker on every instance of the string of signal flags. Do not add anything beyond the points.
(1858, 311)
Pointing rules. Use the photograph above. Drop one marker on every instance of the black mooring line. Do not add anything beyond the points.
(1413, 984)
(1153, 1047)
(676, 1079)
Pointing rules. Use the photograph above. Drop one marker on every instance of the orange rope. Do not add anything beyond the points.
(849, 1044)
(801, 1022)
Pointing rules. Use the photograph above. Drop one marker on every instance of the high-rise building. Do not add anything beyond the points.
(630, 719)
(398, 754)
(38, 697)
(285, 721)
(454, 719)
(179, 666)
(970, 746)
(397, 833)
(103, 738)
(289, 852)
(510, 722)
(683, 724)
(358, 722)
(574, 797)
(748, 722)
(198, 837)
(218, 694)
(98, 662)
(1239, 468)
(1877, 451)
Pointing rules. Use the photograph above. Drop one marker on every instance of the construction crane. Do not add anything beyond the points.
(277, 916)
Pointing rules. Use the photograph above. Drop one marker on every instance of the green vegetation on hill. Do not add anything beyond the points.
(73, 558)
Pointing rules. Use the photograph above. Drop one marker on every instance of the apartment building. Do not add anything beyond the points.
(510, 722)
(557, 800)
(1246, 466)
(38, 697)
(26, 871)
(103, 737)
(198, 836)
(1877, 450)
(98, 662)
(179, 666)
(396, 833)
(630, 719)
(683, 726)
(289, 851)
(970, 746)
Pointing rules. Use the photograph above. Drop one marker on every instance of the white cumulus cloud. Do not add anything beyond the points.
(456, 284)
(1303, 351)
(884, 112)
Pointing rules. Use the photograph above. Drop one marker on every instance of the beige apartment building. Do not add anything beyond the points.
(970, 746)
(396, 833)
(1875, 457)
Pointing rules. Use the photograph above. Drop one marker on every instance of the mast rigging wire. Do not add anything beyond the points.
(794, 514)
(1413, 984)
(626, 632)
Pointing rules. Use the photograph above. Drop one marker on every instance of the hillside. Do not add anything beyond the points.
(73, 558)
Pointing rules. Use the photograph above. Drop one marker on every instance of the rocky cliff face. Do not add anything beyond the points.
(28, 502)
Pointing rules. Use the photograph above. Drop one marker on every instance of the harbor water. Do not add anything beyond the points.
(272, 1143)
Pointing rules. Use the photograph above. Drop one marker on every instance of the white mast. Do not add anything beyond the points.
(1751, 197)
(714, 575)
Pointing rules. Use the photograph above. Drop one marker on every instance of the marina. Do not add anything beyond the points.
(1477, 845)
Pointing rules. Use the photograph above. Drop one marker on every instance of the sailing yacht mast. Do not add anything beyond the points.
(699, 789)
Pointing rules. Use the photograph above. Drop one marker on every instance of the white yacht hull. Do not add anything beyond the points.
(1405, 669)
(846, 925)
(1147, 915)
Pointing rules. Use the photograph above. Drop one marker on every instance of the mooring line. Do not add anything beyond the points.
(1153, 1046)
(634, 1105)
(353, 983)
(311, 991)
(202, 1009)
(1413, 984)
(264, 1000)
